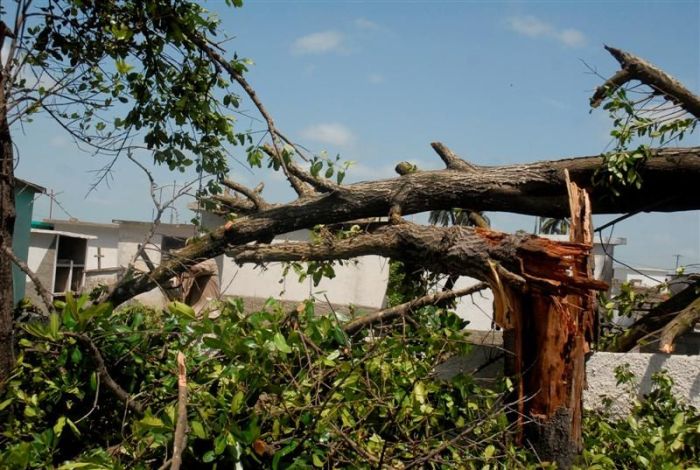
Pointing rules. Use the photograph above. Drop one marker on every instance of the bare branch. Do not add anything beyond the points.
(388, 314)
(319, 184)
(681, 323)
(114, 387)
(452, 161)
(635, 68)
(657, 318)
(252, 194)
(43, 292)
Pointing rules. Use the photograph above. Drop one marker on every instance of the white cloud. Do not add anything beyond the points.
(533, 27)
(364, 23)
(318, 43)
(375, 78)
(59, 142)
(572, 37)
(328, 133)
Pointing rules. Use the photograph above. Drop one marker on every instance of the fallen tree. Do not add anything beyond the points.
(536, 188)
(544, 290)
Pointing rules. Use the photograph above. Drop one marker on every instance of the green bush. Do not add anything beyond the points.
(279, 389)
(660, 432)
(270, 388)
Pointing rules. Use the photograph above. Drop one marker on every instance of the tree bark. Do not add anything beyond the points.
(536, 188)
(636, 68)
(7, 225)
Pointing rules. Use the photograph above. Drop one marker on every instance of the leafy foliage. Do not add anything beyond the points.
(637, 125)
(660, 431)
(279, 389)
(270, 388)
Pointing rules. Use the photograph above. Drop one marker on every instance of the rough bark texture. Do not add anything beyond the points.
(7, 224)
(635, 68)
(536, 188)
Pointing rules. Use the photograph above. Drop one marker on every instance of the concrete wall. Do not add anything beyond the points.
(361, 282)
(41, 260)
(684, 370)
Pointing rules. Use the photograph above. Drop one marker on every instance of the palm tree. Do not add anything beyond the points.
(552, 226)
(459, 216)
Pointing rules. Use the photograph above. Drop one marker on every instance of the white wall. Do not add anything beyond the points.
(359, 282)
(38, 247)
(601, 382)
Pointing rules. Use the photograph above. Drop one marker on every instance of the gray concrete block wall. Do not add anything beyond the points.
(600, 369)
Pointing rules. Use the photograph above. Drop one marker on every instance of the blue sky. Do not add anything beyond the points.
(498, 82)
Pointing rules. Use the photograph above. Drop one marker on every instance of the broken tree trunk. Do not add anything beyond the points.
(549, 335)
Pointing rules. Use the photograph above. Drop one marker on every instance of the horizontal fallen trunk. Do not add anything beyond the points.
(536, 188)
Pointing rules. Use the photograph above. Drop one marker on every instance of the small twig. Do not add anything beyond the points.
(181, 425)
(94, 403)
(405, 308)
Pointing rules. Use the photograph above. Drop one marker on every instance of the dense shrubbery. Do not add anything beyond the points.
(280, 389)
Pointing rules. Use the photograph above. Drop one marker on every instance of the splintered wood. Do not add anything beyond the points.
(550, 326)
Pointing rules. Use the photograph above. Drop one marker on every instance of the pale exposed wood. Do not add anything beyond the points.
(636, 68)
(681, 323)
(180, 436)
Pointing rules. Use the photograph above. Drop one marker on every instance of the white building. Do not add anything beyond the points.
(75, 255)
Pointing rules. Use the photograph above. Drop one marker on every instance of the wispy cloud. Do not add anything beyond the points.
(331, 133)
(318, 43)
(375, 78)
(534, 27)
(364, 23)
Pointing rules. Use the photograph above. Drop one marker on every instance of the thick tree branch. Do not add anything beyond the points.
(657, 318)
(389, 314)
(681, 323)
(536, 188)
(452, 161)
(635, 68)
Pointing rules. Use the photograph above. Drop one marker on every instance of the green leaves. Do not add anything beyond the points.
(636, 123)
(281, 344)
